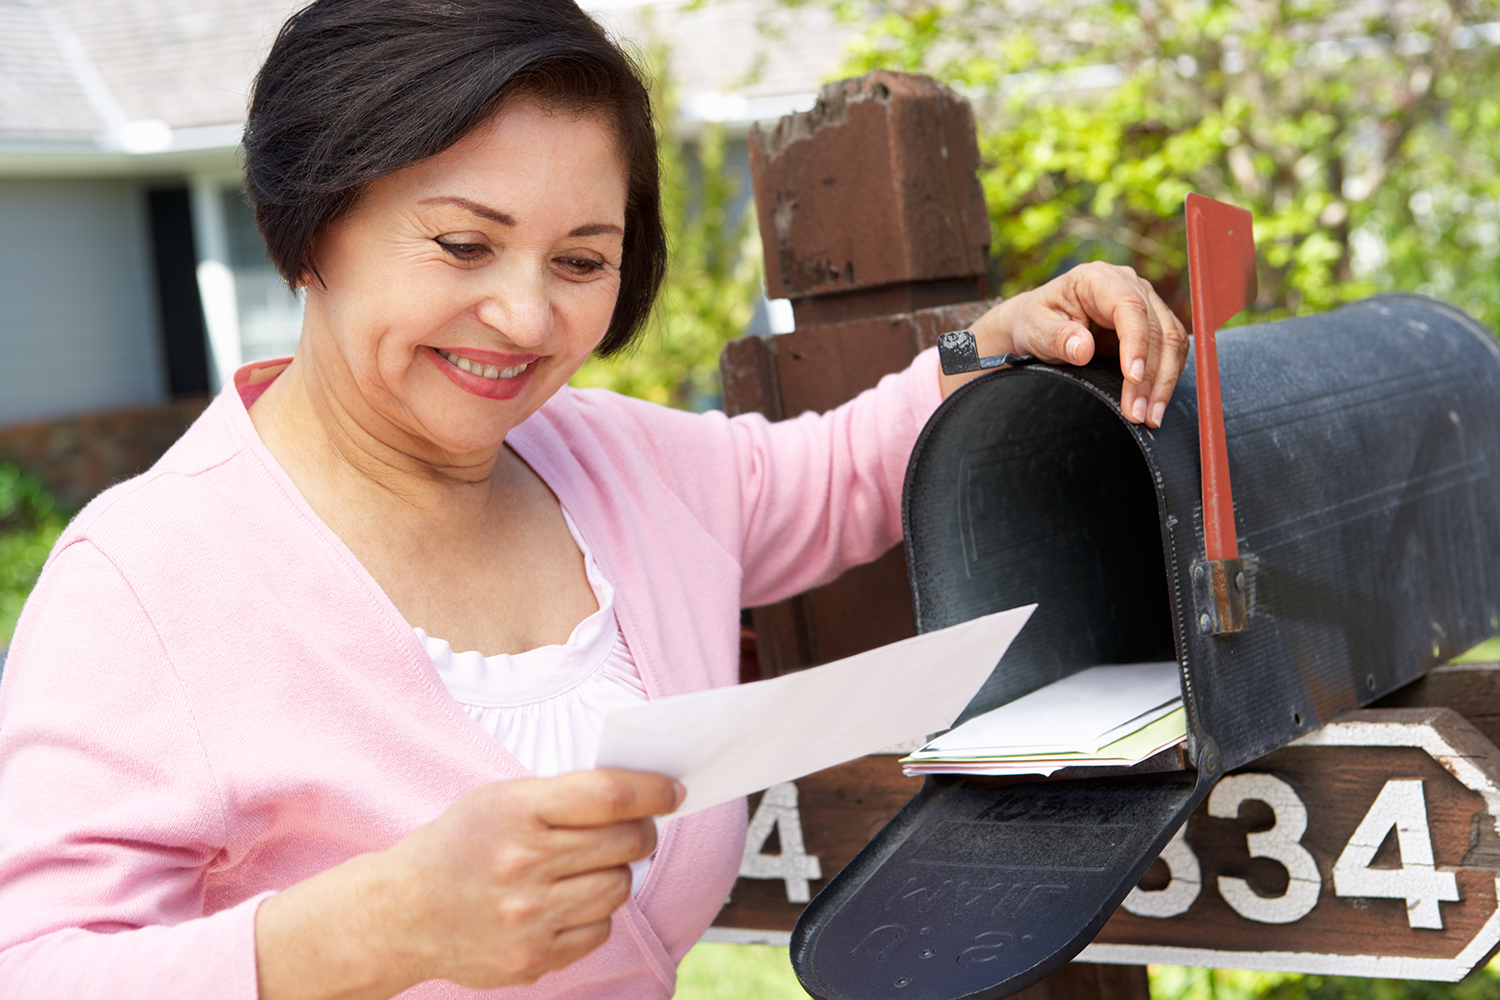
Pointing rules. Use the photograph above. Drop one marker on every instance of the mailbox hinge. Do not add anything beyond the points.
(1219, 591)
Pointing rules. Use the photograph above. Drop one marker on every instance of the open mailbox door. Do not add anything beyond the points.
(1364, 449)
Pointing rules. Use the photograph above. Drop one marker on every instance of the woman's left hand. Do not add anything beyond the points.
(1052, 323)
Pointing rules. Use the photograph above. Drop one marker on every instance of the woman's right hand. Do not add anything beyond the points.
(511, 881)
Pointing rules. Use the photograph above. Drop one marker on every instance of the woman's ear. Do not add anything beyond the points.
(308, 274)
(304, 272)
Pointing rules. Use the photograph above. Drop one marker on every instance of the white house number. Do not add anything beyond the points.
(1400, 804)
(778, 811)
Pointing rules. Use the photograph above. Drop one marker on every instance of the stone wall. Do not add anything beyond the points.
(78, 457)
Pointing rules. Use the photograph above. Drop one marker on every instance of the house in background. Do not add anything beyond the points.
(125, 263)
(130, 272)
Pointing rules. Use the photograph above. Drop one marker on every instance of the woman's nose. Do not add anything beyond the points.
(516, 305)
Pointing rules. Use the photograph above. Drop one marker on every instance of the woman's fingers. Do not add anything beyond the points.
(1151, 341)
(1126, 306)
(589, 898)
(1074, 342)
(552, 828)
(1174, 350)
(1052, 323)
(520, 877)
(580, 908)
(601, 797)
(562, 852)
(571, 944)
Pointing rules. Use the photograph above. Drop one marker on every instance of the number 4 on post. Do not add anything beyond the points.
(1400, 804)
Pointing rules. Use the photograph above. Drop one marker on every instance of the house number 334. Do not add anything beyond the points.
(1400, 804)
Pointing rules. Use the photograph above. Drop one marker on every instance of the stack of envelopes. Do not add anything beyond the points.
(1107, 716)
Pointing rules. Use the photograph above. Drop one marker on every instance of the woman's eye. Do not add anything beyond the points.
(582, 266)
(463, 251)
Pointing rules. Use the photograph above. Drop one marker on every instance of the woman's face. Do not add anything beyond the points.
(461, 292)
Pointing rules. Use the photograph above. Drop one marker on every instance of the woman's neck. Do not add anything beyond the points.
(348, 460)
(476, 552)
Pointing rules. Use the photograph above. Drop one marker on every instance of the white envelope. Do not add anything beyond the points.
(732, 741)
(1078, 714)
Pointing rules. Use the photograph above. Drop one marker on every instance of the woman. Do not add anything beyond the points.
(273, 716)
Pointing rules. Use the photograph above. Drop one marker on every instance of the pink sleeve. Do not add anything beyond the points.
(109, 817)
(822, 492)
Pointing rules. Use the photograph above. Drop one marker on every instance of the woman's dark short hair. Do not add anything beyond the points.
(356, 89)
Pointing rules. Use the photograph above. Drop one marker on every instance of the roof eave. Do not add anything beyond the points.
(199, 150)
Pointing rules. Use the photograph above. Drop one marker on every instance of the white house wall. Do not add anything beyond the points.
(78, 327)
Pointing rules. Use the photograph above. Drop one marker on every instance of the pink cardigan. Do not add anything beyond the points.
(209, 699)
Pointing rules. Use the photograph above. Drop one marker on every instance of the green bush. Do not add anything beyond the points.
(29, 524)
(713, 270)
(1363, 137)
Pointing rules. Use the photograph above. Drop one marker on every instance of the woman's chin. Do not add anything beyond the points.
(465, 434)
(454, 422)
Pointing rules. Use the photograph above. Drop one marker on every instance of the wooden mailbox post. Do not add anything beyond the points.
(1371, 847)
(874, 226)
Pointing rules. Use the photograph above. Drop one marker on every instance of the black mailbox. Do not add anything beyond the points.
(1364, 448)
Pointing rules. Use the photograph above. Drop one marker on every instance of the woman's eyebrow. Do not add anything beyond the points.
(598, 229)
(483, 211)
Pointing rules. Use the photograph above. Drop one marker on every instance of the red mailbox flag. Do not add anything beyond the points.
(1221, 273)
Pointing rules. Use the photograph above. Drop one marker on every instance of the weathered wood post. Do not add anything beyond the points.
(874, 225)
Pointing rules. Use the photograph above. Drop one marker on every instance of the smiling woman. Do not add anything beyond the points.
(492, 267)
(310, 708)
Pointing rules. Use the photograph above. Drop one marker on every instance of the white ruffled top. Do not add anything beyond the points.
(547, 705)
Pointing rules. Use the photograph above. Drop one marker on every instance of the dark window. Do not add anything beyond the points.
(182, 330)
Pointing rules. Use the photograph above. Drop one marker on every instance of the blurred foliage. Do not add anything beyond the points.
(713, 274)
(29, 523)
(1176, 983)
(1363, 136)
(760, 972)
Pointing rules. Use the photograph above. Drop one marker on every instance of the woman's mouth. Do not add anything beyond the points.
(489, 375)
(482, 370)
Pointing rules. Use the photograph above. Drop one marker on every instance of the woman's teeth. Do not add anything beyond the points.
(483, 371)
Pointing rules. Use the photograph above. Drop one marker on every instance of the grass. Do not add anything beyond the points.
(737, 972)
(761, 972)
(1175, 983)
(1486, 652)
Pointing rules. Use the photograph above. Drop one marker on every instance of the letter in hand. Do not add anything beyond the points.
(513, 880)
(1053, 323)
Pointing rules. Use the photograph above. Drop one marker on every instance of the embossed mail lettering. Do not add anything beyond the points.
(967, 898)
(986, 948)
(920, 896)
(881, 941)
